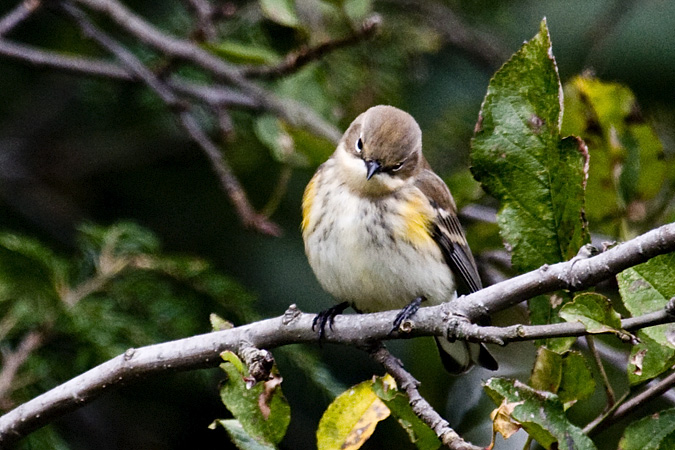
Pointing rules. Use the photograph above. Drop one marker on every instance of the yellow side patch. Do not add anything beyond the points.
(307, 201)
(417, 216)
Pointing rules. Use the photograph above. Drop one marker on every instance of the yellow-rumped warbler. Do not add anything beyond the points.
(381, 230)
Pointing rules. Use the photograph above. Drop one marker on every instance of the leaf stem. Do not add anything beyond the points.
(611, 398)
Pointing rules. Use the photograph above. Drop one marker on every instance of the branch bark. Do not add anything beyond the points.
(356, 330)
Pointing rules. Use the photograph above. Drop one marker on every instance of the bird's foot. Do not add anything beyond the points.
(407, 312)
(327, 316)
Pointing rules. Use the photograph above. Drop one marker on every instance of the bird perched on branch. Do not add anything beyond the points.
(381, 230)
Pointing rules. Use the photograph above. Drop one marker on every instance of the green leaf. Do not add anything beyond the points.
(647, 288)
(271, 132)
(595, 312)
(351, 418)
(262, 410)
(547, 371)
(29, 269)
(628, 160)
(280, 11)
(398, 403)
(648, 359)
(520, 158)
(122, 239)
(541, 414)
(577, 381)
(239, 436)
(244, 53)
(544, 309)
(656, 432)
(566, 375)
(357, 10)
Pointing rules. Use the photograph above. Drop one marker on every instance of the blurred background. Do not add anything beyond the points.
(78, 149)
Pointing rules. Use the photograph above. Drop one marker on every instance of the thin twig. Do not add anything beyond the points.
(291, 111)
(19, 14)
(611, 399)
(422, 409)
(279, 191)
(82, 65)
(204, 13)
(12, 361)
(294, 61)
(228, 180)
(640, 400)
(590, 427)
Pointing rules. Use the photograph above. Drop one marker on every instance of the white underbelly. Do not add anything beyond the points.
(358, 259)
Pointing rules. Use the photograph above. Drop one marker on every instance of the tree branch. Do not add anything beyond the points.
(408, 384)
(13, 360)
(624, 408)
(291, 111)
(294, 61)
(228, 180)
(357, 330)
(579, 273)
(82, 65)
(22, 12)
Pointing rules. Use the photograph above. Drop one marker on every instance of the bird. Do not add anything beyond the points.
(381, 230)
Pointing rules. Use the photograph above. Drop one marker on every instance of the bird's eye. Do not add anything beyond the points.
(396, 167)
(359, 145)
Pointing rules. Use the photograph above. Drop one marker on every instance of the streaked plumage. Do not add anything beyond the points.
(381, 228)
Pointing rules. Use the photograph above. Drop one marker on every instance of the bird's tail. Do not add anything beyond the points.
(459, 356)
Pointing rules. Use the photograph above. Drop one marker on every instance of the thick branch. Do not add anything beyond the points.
(576, 274)
(356, 330)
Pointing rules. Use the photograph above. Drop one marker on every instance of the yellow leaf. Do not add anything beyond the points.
(351, 419)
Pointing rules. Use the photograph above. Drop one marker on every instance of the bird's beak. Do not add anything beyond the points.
(372, 167)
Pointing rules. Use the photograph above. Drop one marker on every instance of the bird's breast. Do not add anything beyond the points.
(377, 254)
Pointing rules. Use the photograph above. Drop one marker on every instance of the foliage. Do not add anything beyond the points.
(562, 161)
(119, 290)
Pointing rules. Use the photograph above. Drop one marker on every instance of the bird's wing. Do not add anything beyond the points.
(447, 231)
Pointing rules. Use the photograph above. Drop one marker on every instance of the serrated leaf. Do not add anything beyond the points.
(541, 414)
(520, 158)
(282, 12)
(647, 288)
(595, 312)
(648, 359)
(263, 413)
(240, 437)
(398, 403)
(351, 418)
(628, 165)
(656, 432)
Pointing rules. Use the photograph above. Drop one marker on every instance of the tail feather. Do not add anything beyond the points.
(457, 357)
